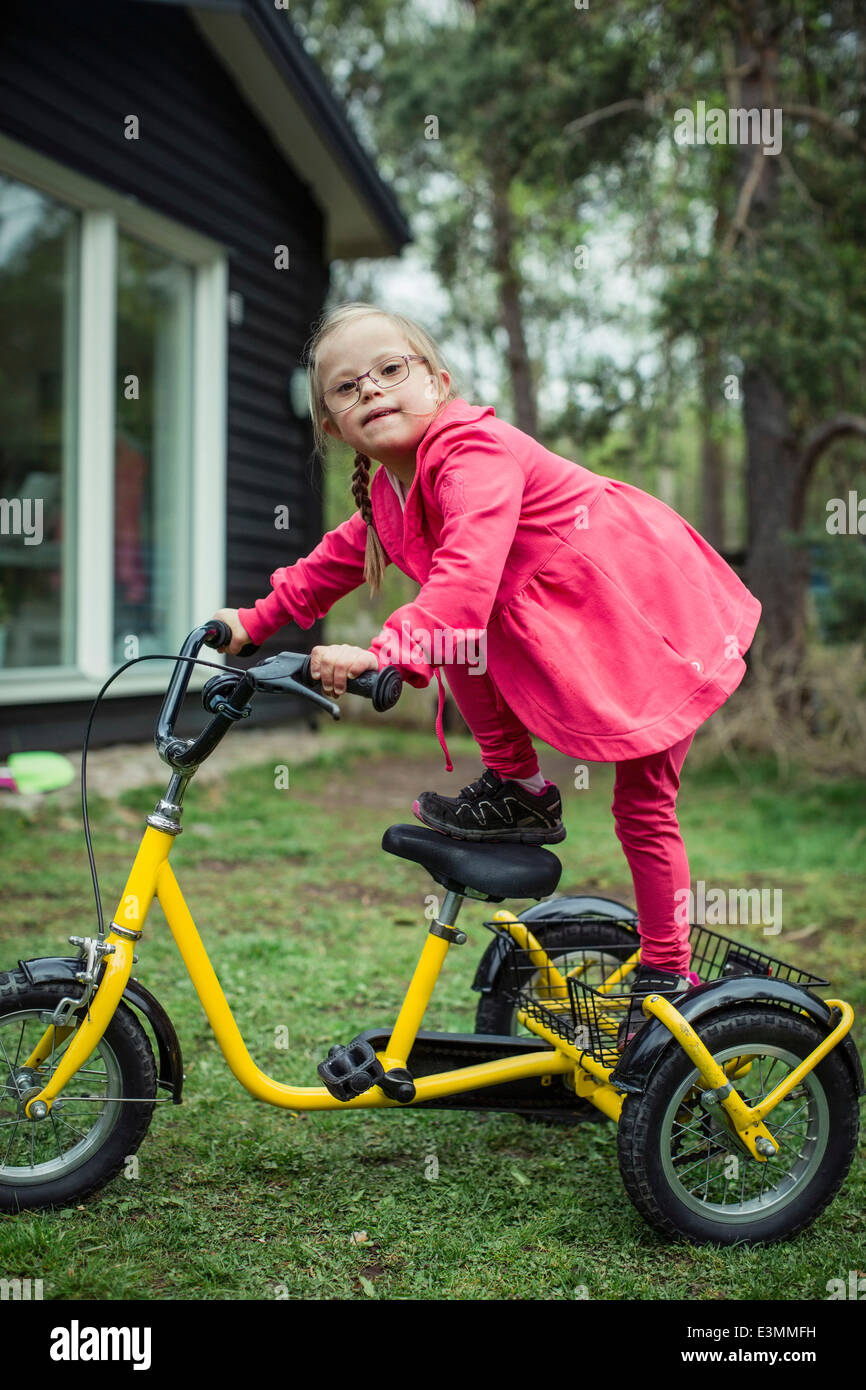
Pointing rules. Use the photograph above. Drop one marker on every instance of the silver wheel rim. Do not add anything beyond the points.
(42, 1151)
(697, 1150)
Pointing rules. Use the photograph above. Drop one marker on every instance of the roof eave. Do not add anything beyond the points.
(258, 46)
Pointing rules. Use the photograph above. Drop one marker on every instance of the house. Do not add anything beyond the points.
(175, 180)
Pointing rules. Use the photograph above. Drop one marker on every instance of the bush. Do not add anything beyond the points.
(826, 733)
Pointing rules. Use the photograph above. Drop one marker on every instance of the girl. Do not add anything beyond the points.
(561, 603)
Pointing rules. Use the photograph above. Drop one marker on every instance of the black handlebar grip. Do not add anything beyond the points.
(382, 687)
(220, 635)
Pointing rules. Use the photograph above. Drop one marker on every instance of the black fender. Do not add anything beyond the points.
(640, 1059)
(546, 913)
(64, 969)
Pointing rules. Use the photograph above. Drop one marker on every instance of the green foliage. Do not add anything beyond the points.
(503, 83)
(844, 611)
(787, 293)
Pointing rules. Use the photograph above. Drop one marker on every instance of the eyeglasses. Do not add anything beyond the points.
(385, 374)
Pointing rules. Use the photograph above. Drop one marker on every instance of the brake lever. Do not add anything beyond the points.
(286, 666)
(289, 684)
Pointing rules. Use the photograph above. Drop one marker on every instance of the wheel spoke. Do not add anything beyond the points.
(16, 1123)
(711, 1152)
(20, 1040)
(6, 1059)
(707, 1174)
(804, 1106)
(765, 1166)
(82, 1133)
(56, 1135)
(742, 1183)
(792, 1157)
(691, 1129)
(82, 1071)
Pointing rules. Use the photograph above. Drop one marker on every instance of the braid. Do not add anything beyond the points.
(361, 487)
(375, 559)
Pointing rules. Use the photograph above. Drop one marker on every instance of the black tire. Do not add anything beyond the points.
(663, 1129)
(497, 1013)
(40, 1165)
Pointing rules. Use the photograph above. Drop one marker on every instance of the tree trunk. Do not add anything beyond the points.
(712, 457)
(511, 310)
(519, 367)
(776, 571)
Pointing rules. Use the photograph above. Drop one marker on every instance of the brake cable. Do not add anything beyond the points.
(151, 656)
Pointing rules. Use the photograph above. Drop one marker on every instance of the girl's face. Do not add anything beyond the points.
(390, 439)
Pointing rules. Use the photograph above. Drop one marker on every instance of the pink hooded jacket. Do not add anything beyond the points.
(612, 628)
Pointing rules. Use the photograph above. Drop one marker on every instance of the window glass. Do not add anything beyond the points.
(152, 466)
(38, 317)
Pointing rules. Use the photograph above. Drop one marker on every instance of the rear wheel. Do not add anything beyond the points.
(89, 1132)
(686, 1172)
(603, 945)
(497, 1013)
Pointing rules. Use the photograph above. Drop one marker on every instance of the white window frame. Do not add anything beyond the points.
(104, 214)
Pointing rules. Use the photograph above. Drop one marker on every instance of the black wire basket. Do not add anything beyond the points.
(584, 997)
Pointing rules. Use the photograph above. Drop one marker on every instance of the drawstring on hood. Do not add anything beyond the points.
(440, 733)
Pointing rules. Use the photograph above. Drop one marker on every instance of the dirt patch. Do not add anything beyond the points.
(111, 771)
(388, 782)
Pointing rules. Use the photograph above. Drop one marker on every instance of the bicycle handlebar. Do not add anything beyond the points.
(223, 636)
(287, 672)
(185, 755)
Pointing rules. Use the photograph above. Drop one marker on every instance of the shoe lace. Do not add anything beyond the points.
(480, 787)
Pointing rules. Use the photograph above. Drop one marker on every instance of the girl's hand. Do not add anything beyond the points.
(240, 636)
(333, 666)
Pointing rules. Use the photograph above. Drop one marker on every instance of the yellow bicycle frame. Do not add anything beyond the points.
(152, 876)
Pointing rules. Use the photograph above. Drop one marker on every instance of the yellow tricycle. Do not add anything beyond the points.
(736, 1105)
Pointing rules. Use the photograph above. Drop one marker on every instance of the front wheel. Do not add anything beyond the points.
(685, 1171)
(90, 1131)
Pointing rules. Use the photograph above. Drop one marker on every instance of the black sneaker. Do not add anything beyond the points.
(649, 979)
(495, 809)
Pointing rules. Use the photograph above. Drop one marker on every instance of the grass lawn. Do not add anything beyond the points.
(314, 930)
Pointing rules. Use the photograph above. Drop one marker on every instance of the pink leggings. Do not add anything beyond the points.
(644, 812)
(645, 818)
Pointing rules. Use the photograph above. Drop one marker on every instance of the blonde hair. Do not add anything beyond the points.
(421, 343)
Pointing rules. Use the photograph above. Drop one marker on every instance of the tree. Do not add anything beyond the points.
(777, 291)
(470, 118)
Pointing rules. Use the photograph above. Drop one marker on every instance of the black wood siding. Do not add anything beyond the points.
(69, 75)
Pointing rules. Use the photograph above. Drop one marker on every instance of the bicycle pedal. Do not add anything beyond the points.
(351, 1070)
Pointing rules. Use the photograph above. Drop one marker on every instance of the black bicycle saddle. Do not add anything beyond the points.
(490, 871)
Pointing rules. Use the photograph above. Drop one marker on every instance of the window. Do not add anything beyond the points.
(38, 318)
(112, 433)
